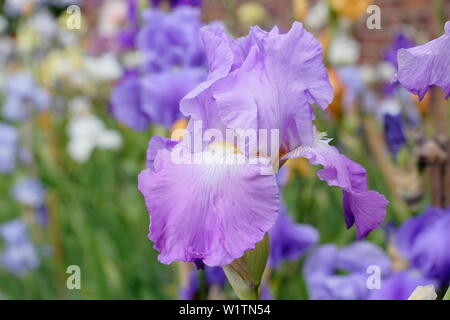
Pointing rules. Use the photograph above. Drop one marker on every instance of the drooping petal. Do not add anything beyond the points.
(427, 65)
(211, 211)
(366, 209)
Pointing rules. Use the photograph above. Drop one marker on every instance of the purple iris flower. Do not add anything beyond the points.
(400, 41)
(30, 192)
(424, 241)
(399, 286)
(23, 97)
(215, 276)
(245, 89)
(427, 65)
(171, 39)
(127, 36)
(288, 240)
(9, 140)
(175, 3)
(126, 102)
(333, 273)
(191, 290)
(174, 63)
(225, 207)
(393, 131)
(19, 254)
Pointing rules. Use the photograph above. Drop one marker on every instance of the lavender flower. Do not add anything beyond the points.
(224, 207)
(19, 255)
(9, 139)
(126, 102)
(245, 88)
(424, 241)
(427, 65)
(30, 192)
(340, 274)
(172, 39)
(174, 63)
(399, 286)
(400, 41)
(23, 97)
(288, 240)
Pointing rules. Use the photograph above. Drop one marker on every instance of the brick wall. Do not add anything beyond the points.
(416, 17)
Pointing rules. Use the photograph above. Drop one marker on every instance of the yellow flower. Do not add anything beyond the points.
(351, 9)
(251, 13)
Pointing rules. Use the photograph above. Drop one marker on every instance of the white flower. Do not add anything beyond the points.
(318, 15)
(87, 132)
(344, 50)
(103, 68)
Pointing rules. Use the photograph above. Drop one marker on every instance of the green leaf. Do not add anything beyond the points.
(245, 273)
(447, 295)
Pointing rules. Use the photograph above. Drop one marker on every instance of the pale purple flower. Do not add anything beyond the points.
(30, 192)
(425, 241)
(161, 93)
(23, 97)
(268, 73)
(288, 240)
(19, 254)
(427, 65)
(215, 210)
(9, 140)
(171, 39)
(126, 102)
(174, 63)
(399, 286)
(333, 273)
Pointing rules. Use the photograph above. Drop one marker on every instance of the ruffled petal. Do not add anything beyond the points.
(156, 144)
(211, 212)
(366, 209)
(280, 79)
(427, 65)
